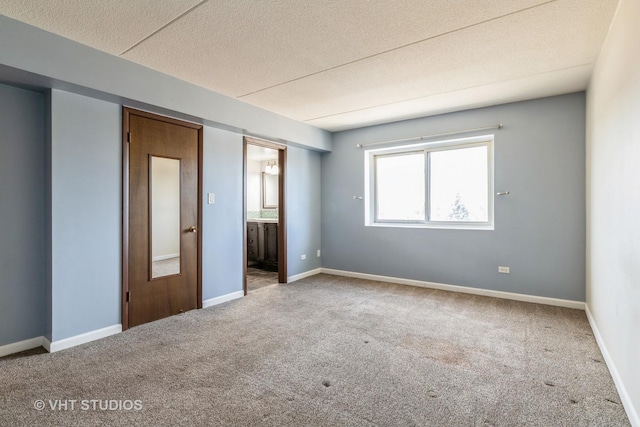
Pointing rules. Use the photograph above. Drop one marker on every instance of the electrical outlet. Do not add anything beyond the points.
(212, 198)
(318, 253)
(502, 269)
(303, 256)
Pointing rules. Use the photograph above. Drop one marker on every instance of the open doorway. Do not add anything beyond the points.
(264, 214)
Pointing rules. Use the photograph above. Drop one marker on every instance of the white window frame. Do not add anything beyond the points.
(370, 202)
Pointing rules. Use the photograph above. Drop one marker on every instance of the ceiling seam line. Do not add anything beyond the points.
(399, 47)
(442, 93)
(191, 9)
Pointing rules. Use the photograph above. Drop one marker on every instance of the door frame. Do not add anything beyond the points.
(126, 113)
(282, 215)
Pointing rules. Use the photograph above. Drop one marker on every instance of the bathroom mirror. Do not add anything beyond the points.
(269, 191)
(164, 216)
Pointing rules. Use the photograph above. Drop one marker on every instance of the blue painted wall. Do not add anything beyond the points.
(21, 214)
(304, 207)
(48, 244)
(85, 217)
(539, 229)
(222, 222)
(223, 228)
(74, 194)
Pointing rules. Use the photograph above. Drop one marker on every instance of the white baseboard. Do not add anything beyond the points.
(163, 257)
(463, 289)
(303, 275)
(54, 346)
(224, 298)
(19, 346)
(632, 412)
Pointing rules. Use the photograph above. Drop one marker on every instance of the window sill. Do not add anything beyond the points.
(443, 226)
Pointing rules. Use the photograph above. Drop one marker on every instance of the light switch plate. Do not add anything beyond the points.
(212, 198)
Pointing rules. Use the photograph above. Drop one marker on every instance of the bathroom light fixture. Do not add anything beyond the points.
(272, 169)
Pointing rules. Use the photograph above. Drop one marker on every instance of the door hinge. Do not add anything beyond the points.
(128, 136)
(128, 296)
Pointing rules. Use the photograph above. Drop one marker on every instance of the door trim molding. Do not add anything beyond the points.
(125, 217)
(282, 216)
(126, 113)
(264, 143)
(244, 216)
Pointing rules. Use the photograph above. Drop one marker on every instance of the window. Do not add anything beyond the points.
(400, 187)
(445, 184)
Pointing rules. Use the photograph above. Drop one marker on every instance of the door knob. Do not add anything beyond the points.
(192, 229)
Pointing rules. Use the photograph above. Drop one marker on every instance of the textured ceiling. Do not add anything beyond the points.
(340, 64)
(110, 25)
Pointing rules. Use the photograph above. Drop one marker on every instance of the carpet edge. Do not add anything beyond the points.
(77, 340)
(579, 305)
(222, 298)
(631, 411)
(24, 345)
(304, 275)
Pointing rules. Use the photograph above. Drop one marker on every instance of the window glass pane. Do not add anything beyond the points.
(400, 194)
(458, 182)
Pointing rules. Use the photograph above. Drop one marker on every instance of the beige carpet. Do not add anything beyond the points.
(330, 351)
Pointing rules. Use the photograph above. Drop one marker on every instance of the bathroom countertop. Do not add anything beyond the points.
(269, 220)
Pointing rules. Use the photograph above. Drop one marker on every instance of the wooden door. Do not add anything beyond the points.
(163, 221)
